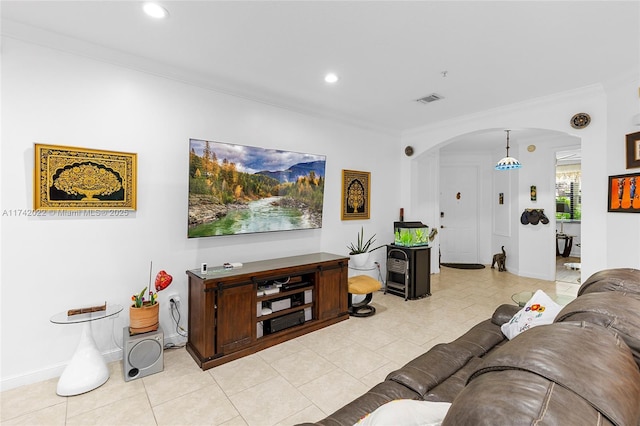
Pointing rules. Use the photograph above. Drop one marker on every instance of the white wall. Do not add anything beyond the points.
(623, 229)
(537, 256)
(53, 263)
(420, 206)
(611, 108)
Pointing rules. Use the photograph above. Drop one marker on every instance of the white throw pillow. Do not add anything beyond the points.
(539, 310)
(407, 412)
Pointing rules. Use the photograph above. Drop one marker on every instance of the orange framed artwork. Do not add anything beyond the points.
(623, 193)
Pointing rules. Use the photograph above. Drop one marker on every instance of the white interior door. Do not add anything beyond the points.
(459, 214)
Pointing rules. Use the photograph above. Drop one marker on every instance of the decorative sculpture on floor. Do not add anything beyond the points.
(501, 260)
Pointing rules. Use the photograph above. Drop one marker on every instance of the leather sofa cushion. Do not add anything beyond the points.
(620, 279)
(367, 403)
(443, 360)
(514, 397)
(617, 311)
(546, 369)
(450, 388)
(431, 368)
(504, 313)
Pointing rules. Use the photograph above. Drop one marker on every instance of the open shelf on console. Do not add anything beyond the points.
(280, 294)
(284, 312)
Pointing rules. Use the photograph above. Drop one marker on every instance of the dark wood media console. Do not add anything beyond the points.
(225, 319)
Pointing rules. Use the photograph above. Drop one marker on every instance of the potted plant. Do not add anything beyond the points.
(143, 313)
(359, 252)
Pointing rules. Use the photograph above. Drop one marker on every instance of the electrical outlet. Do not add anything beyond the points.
(176, 298)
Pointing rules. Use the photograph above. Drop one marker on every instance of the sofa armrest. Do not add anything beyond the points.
(504, 313)
(619, 279)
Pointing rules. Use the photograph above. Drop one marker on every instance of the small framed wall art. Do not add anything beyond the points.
(633, 150)
(356, 190)
(67, 178)
(623, 195)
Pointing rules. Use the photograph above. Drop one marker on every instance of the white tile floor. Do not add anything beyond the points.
(566, 274)
(301, 380)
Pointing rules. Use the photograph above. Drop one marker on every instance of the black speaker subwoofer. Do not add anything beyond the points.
(280, 323)
(142, 354)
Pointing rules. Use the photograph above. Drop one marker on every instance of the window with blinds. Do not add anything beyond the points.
(568, 192)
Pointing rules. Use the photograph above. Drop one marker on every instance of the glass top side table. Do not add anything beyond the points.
(87, 369)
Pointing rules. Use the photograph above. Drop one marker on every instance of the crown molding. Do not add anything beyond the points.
(70, 45)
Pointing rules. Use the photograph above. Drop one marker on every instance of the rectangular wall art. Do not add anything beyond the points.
(67, 178)
(633, 150)
(356, 190)
(623, 193)
(238, 189)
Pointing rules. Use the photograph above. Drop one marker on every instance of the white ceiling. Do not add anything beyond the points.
(387, 53)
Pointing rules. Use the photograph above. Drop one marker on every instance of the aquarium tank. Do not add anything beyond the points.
(410, 234)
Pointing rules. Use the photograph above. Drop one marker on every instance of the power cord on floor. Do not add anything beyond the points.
(168, 346)
(175, 314)
(380, 277)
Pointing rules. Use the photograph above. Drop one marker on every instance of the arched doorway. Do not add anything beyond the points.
(498, 198)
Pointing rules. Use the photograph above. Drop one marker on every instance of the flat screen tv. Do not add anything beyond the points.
(238, 189)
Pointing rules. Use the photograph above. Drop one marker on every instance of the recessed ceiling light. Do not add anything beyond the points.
(331, 78)
(155, 10)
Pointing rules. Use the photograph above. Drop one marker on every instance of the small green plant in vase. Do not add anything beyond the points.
(143, 313)
(138, 299)
(162, 281)
(359, 251)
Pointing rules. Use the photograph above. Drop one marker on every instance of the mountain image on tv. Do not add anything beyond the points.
(238, 189)
(293, 172)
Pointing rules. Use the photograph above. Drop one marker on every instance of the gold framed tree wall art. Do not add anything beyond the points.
(356, 193)
(68, 178)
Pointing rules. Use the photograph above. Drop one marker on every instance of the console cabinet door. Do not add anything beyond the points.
(236, 317)
(202, 319)
(332, 291)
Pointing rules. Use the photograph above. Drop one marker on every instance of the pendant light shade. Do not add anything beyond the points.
(508, 163)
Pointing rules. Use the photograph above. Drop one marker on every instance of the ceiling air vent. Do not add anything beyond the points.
(429, 98)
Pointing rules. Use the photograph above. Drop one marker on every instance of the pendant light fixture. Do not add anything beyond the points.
(508, 163)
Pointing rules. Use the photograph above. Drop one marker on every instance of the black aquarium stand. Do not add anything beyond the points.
(419, 270)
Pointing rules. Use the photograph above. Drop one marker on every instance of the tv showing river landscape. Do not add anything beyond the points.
(238, 189)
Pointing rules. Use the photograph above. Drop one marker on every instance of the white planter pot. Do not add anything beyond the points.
(359, 260)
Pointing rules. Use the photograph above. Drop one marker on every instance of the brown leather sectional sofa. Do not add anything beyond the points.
(584, 369)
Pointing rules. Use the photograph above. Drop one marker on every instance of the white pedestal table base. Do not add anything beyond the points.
(87, 369)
